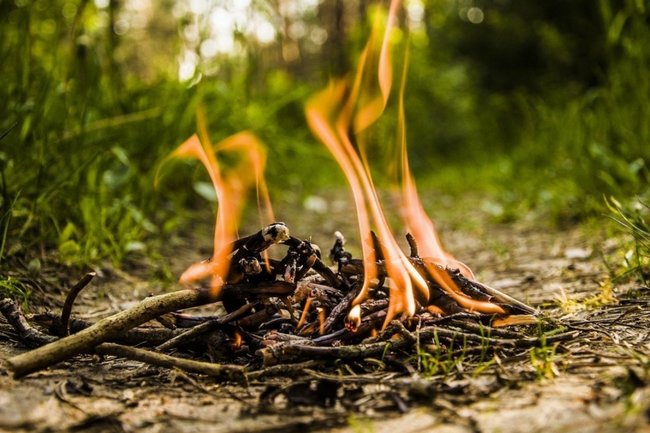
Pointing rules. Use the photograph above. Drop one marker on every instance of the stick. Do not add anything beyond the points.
(69, 301)
(256, 243)
(220, 371)
(355, 267)
(148, 336)
(341, 310)
(104, 330)
(269, 288)
(317, 264)
(284, 369)
(14, 315)
(503, 298)
(204, 327)
(292, 352)
(413, 245)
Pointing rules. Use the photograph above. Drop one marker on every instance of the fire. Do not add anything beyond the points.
(423, 230)
(337, 116)
(231, 186)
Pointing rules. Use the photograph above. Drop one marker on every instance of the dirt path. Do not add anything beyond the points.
(598, 382)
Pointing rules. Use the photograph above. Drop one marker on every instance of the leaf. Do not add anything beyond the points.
(69, 249)
(206, 190)
(68, 233)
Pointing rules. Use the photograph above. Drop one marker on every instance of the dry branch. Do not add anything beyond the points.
(141, 336)
(226, 372)
(105, 330)
(283, 369)
(291, 352)
(31, 336)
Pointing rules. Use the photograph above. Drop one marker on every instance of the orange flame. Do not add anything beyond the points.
(231, 186)
(330, 115)
(337, 115)
(423, 229)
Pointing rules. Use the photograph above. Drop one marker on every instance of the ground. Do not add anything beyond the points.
(596, 382)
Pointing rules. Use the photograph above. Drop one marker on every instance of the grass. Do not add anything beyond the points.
(542, 359)
(360, 425)
(14, 288)
(604, 296)
(82, 138)
(634, 221)
(434, 358)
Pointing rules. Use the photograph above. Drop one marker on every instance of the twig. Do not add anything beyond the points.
(503, 298)
(256, 243)
(317, 264)
(69, 301)
(148, 336)
(104, 330)
(431, 331)
(28, 334)
(413, 245)
(292, 352)
(270, 288)
(284, 369)
(220, 371)
(338, 313)
(204, 328)
(377, 246)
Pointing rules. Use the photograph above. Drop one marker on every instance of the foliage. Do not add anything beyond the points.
(543, 361)
(77, 170)
(634, 220)
(605, 296)
(538, 106)
(555, 138)
(14, 288)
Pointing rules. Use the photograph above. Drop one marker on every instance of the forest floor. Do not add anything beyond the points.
(596, 382)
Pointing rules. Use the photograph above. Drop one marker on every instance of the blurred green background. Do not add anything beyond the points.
(536, 106)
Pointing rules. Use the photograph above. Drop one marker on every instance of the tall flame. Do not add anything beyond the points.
(337, 116)
(231, 186)
(423, 229)
(331, 114)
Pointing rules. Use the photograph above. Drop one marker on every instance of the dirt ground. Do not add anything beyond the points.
(596, 382)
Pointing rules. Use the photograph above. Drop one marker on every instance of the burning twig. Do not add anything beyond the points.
(204, 328)
(413, 245)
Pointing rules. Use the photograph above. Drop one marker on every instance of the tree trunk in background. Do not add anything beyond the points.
(332, 17)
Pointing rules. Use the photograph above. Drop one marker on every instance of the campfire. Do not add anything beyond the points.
(429, 279)
(297, 311)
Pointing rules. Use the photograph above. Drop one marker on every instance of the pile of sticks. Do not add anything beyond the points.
(280, 316)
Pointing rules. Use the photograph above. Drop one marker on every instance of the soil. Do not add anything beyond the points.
(597, 382)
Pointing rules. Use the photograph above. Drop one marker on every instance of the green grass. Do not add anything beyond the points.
(436, 359)
(634, 256)
(543, 361)
(82, 135)
(14, 288)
